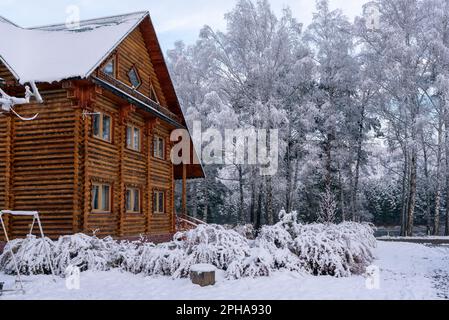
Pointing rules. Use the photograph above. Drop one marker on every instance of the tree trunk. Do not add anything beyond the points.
(241, 217)
(295, 185)
(269, 200)
(328, 153)
(252, 209)
(355, 189)
(404, 198)
(427, 181)
(446, 126)
(436, 225)
(194, 197)
(342, 196)
(259, 211)
(412, 196)
(288, 175)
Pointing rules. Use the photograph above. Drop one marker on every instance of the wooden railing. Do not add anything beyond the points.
(185, 223)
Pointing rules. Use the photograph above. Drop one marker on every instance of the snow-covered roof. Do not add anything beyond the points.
(57, 52)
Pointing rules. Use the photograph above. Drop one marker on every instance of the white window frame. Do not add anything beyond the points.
(133, 192)
(100, 197)
(133, 142)
(137, 75)
(157, 141)
(100, 134)
(156, 202)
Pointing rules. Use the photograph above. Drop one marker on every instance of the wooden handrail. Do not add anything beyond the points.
(185, 222)
(188, 222)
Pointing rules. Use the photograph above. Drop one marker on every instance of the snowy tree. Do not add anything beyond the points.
(328, 207)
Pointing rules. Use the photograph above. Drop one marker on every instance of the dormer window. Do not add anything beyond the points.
(153, 95)
(109, 68)
(134, 78)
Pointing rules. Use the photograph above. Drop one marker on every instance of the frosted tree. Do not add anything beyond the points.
(260, 65)
(194, 87)
(328, 207)
(399, 65)
(330, 34)
(362, 110)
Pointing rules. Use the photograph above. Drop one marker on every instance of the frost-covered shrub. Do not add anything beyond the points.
(82, 251)
(260, 263)
(276, 241)
(211, 244)
(318, 249)
(337, 250)
(79, 250)
(207, 244)
(247, 231)
(163, 259)
(30, 254)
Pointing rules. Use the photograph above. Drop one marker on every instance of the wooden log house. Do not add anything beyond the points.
(97, 158)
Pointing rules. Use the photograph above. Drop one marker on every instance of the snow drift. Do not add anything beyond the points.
(318, 249)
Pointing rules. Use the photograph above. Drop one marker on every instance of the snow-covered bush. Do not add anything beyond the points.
(30, 254)
(163, 259)
(275, 241)
(246, 230)
(86, 253)
(211, 244)
(336, 250)
(79, 250)
(319, 249)
(207, 244)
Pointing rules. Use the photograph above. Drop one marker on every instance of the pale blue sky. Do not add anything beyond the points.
(173, 19)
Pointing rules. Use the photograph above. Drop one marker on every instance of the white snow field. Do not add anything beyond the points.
(407, 272)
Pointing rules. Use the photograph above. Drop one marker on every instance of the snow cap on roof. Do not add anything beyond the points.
(57, 52)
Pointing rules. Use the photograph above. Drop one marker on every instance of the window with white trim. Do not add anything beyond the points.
(132, 200)
(101, 126)
(133, 138)
(101, 198)
(159, 147)
(159, 202)
(134, 78)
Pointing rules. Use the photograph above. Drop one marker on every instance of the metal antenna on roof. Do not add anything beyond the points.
(7, 102)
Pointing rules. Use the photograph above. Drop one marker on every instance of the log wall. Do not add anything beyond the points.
(113, 163)
(133, 52)
(38, 165)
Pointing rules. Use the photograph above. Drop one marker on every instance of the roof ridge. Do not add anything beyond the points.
(89, 20)
(9, 21)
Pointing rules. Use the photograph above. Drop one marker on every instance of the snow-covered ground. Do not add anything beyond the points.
(407, 271)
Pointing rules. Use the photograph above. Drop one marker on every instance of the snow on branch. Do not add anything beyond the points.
(317, 249)
(8, 103)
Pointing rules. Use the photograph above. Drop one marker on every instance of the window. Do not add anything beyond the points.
(101, 198)
(134, 77)
(159, 202)
(159, 147)
(101, 126)
(109, 68)
(132, 200)
(153, 95)
(133, 138)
